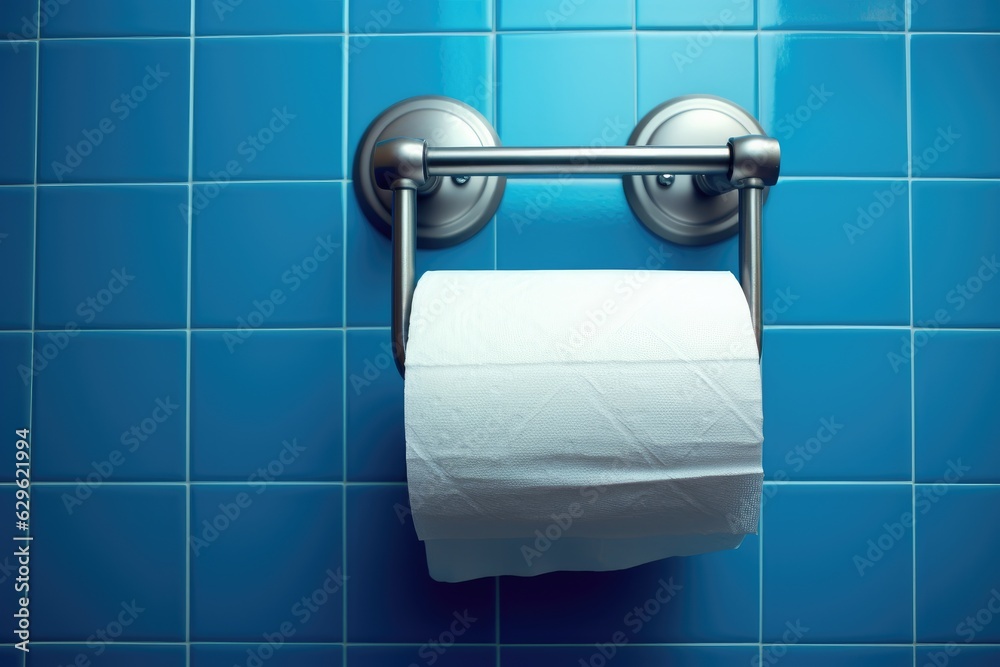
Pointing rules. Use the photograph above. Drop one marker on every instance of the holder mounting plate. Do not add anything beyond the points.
(679, 211)
(449, 210)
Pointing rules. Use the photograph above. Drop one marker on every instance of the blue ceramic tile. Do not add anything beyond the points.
(836, 656)
(19, 19)
(376, 449)
(267, 406)
(101, 654)
(17, 239)
(837, 404)
(958, 595)
(268, 108)
(440, 653)
(387, 564)
(954, 121)
(955, 266)
(369, 262)
(838, 564)
(676, 601)
(13, 656)
(260, 17)
(882, 15)
(115, 18)
(538, 218)
(268, 255)
(817, 229)
(673, 64)
(240, 557)
(111, 257)
(627, 656)
(457, 66)
(958, 655)
(823, 91)
(968, 15)
(109, 407)
(9, 597)
(17, 114)
(117, 559)
(15, 376)
(271, 654)
(956, 431)
(566, 89)
(114, 110)
(556, 14)
(710, 15)
(373, 17)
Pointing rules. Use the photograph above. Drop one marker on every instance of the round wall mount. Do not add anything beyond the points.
(448, 210)
(677, 209)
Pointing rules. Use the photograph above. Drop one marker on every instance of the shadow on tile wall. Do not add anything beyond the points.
(194, 325)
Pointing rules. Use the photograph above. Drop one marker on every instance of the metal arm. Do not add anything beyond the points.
(405, 165)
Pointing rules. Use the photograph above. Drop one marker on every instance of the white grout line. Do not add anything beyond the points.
(913, 360)
(344, 194)
(190, 271)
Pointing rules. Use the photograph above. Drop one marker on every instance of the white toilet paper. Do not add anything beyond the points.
(580, 420)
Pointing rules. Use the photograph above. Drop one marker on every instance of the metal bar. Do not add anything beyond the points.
(751, 214)
(504, 161)
(404, 248)
(624, 160)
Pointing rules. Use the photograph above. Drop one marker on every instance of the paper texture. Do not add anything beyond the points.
(580, 420)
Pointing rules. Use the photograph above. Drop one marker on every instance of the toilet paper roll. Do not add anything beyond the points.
(584, 420)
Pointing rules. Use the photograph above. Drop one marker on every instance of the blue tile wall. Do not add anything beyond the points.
(260, 17)
(883, 15)
(115, 18)
(556, 14)
(194, 325)
(17, 116)
(16, 256)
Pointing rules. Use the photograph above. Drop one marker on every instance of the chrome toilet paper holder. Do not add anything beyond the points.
(695, 171)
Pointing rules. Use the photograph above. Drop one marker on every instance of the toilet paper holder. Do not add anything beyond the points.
(695, 171)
